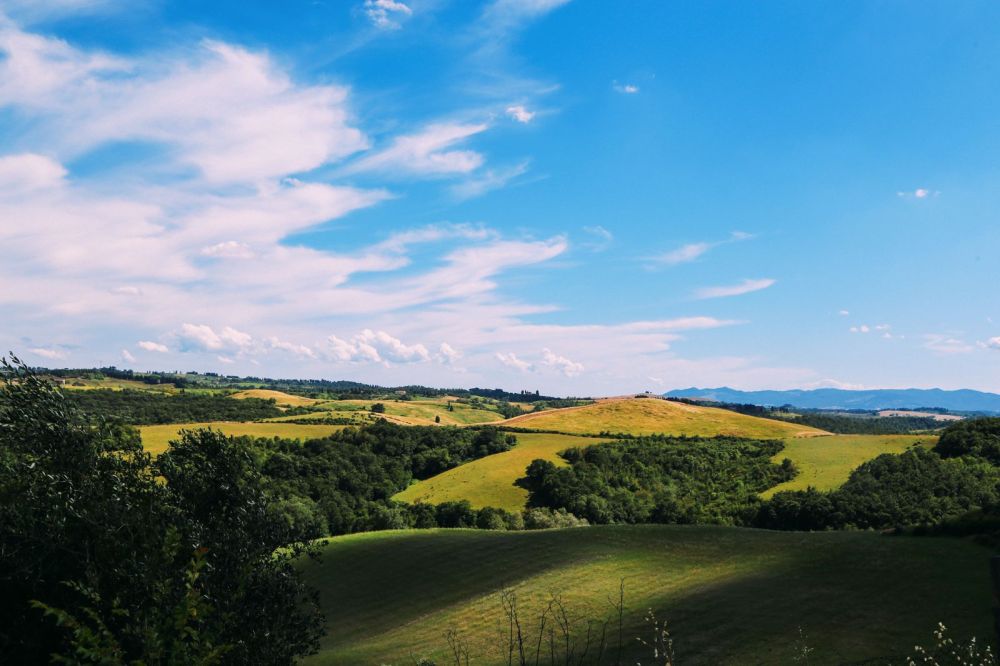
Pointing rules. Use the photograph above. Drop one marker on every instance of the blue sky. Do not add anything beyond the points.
(579, 197)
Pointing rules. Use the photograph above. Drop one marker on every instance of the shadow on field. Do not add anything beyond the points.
(368, 588)
(865, 604)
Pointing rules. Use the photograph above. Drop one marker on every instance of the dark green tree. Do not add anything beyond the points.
(102, 562)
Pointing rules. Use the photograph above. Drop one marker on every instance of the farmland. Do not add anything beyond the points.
(156, 438)
(731, 595)
(653, 416)
(489, 481)
(825, 462)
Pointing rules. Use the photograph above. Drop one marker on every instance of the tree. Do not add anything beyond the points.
(378, 408)
(100, 562)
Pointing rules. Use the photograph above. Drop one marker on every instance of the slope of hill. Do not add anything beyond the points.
(731, 596)
(965, 400)
(649, 416)
(489, 481)
(155, 438)
(825, 463)
(280, 397)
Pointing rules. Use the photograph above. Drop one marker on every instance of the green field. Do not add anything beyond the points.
(653, 416)
(732, 596)
(825, 462)
(489, 481)
(156, 437)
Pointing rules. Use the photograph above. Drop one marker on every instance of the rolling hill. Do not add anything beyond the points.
(825, 463)
(280, 397)
(155, 438)
(731, 596)
(647, 416)
(489, 481)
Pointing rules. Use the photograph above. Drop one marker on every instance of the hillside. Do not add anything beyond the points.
(280, 397)
(647, 416)
(732, 596)
(156, 438)
(964, 400)
(825, 463)
(489, 481)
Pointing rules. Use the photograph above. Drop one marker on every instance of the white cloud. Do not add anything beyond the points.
(561, 363)
(863, 328)
(448, 354)
(127, 356)
(625, 88)
(50, 353)
(386, 14)
(375, 347)
(992, 343)
(844, 313)
(602, 238)
(512, 361)
(504, 15)
(427, 152)
(149, 345)
(225, 359)
(693, 251)
(919, 193)
(27, 172)
(204, 337)
(744, 287)
(492, 179)
(301, 351)
(946, 344)
(229, 250)
(519, 113)
(683, 254)
(228, 112)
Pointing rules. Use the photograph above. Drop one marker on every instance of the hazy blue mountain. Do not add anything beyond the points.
(965, 400)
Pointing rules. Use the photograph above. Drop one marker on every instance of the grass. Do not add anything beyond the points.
(156, 437)
(651, 416)
(489, 481)
(732, 596)
(81, 384)
(825, 462)
(420, 411)
(280, 397)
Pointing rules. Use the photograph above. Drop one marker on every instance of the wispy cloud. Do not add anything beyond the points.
(919, 193)
(625, 88)
(488, 180)
(428, 152)
(149, 345)
(745, 287)
(561, 363)
(519, 113)
(512, 361)
(692, 251)
(946, 344)
(602, 238)
(50, 353)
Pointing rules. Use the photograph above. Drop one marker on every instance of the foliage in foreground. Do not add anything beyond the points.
(109, 557)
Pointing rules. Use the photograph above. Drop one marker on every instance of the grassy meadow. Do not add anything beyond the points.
(489, 481)
(825, 462)
(648, 416)
(280, 397)
(419, 411)
(731, 595)
(156, 437)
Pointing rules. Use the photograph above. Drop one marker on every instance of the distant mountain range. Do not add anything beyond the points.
(963, 400)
